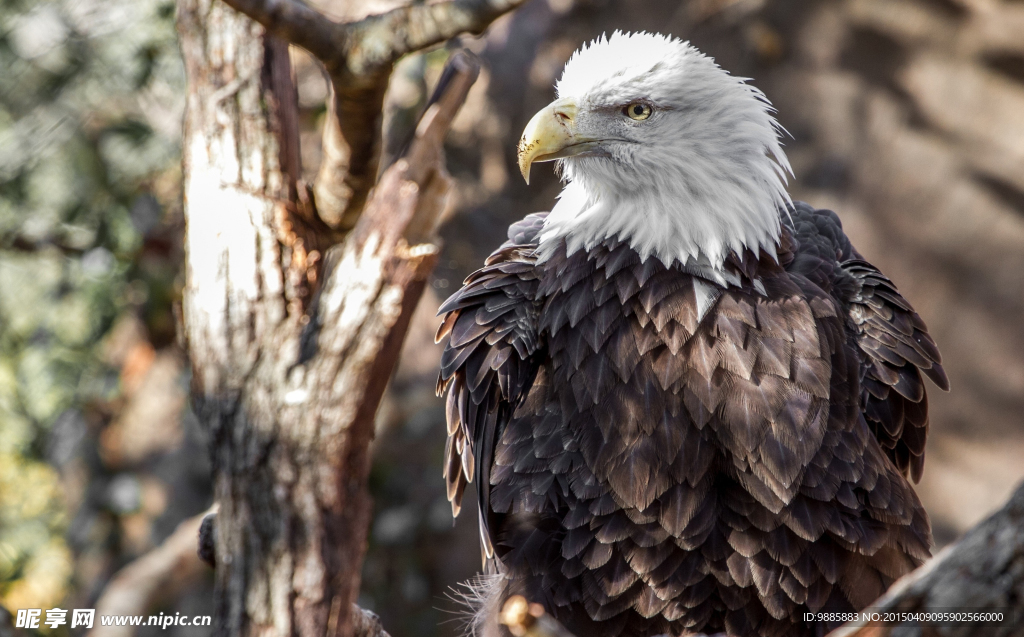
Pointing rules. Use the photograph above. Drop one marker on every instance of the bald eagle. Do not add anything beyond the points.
(687, 402)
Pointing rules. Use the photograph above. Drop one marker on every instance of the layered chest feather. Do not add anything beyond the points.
(652, 371)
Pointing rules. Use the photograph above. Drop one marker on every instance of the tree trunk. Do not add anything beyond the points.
(290, 359)
(241, 325)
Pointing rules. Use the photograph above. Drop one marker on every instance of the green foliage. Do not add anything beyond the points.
(90, 110)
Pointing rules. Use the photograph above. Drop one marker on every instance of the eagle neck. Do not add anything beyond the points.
(671, 225)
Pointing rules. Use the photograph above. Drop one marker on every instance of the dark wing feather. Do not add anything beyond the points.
(894, 345)
(490, 336)
(896, 350)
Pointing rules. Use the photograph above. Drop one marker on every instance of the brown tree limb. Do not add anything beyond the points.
(378, 41)
(359, 57)
(19, 243)
(370, 46)
(296, 23)
(277, 71)
(391, 251)
(365, 624)
(139, 585)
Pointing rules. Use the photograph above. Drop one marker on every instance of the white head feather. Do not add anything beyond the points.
(704, 175)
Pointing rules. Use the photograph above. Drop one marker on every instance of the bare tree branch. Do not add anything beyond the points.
(359, 57)
(366, 624)
(297, 23)
(136, 587)
(22, 244)
(284, 94)
(378, 41)
(373, 44)
(393, 247)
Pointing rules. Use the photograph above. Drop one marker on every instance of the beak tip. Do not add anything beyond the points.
(522, 157)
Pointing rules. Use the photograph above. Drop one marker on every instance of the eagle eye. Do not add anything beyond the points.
(637, 110)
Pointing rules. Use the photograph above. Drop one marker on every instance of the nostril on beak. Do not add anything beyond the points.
(563, 116)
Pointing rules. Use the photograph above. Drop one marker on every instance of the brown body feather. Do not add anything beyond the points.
(644, 467)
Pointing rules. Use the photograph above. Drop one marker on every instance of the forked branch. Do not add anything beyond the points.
(359, 57)
(386, 260)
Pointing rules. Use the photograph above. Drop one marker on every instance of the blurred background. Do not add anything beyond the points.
(906, 116)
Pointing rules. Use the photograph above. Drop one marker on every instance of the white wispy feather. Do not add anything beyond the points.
(481, 599)
(703, 176)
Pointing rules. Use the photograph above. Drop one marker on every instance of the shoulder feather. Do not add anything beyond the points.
(490, 334)
(893, 343)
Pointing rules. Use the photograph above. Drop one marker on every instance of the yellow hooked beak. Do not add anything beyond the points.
(551, 135)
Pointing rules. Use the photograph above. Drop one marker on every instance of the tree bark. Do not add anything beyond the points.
(238, 324)
(290, 359)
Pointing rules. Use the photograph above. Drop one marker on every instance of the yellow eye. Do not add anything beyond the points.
(637, 110)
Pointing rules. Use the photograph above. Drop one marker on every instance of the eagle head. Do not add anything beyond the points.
(662, 148)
